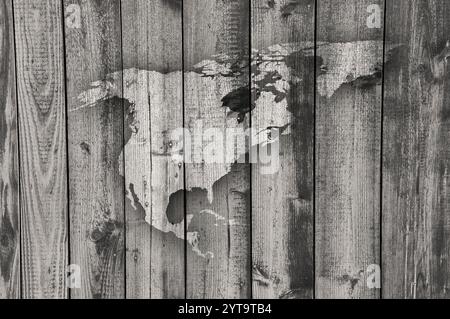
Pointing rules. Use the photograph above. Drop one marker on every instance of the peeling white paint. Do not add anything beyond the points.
(212, 213)
(213, 68)
(346, 62)
(218, 217)
(206, 112)
(260, 278)
(233, 222)
(193, 240)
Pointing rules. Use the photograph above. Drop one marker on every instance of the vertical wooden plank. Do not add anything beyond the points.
(348, 128)
(152, 42)
(282, 190)
(9, 172)
(42, 127)
(216, 51)
(416, 157)
(95, 143)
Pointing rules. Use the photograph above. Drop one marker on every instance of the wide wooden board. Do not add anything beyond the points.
(416, 156)
(43, 158)
(95, 144)
(348, 133)
(216, 52)
(282, 185)
(154, 174)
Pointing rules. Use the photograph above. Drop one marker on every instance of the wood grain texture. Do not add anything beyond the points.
(96, 170)
(95, 144)
(152, 49)
(282, 198)
(349, 59)
(42, 127)
(217, 191)
(416, 158)
(9, 172)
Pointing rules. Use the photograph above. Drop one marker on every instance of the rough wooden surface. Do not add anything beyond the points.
(416, 159)
(342, 178)
(152, 51)
(42, 127)
(217, 194)
(9, 171)
(95, 143)
(348, 113)
(282, 199)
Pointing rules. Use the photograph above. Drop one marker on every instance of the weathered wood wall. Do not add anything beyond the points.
(117, 179)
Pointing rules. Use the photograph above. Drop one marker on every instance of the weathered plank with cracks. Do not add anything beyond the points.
(42, 127)
(282, 188)
(217, 188)
(416, 161)
(152, 52)
(348, 128)
(95, 141)
(9, 173)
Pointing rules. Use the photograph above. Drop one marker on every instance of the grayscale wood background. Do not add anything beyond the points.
(359, 203)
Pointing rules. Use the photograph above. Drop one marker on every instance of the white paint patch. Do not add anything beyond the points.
(218, 217)
(212, 68)
(346, 62)
(206, 112)
(73, 16)
(233, 222)
(212, 213)
(193, 240)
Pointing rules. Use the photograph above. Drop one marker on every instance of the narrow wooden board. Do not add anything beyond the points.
(216, 51)
(9, 162)
(348, 112)
(42, 127)
(282, 189)
(416, 152)
(95, 144)
(152, 52)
